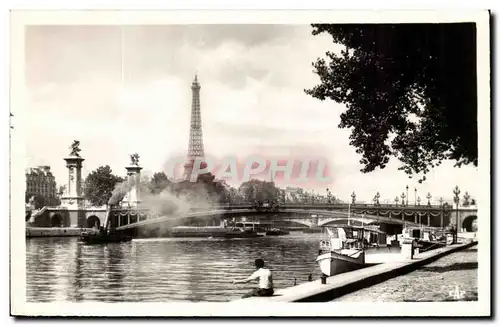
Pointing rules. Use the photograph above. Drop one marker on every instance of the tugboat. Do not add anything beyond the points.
(103, 236)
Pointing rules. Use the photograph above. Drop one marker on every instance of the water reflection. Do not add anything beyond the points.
(162, 269)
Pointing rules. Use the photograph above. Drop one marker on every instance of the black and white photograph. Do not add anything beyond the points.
(228, 163)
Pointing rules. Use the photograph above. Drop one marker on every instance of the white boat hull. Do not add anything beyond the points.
(333, 263)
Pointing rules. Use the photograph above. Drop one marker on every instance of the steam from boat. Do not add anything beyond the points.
(171, 203)
(121, 189)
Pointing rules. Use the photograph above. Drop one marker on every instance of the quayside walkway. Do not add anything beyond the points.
(339, 285)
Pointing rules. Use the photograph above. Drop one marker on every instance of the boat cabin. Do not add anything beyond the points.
(255, 226)
(352, 237)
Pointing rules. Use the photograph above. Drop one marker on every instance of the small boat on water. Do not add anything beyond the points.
(344, 250)
(212, 232)
(276, 231)
(103, 236)
(312, 230)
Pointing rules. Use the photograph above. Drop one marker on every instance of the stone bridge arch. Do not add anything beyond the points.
(55, 219)
(355, 221)
(469, 223)
(93, 217)
(93, 221)
(301, 221)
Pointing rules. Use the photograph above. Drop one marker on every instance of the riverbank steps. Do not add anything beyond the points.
(339, 285)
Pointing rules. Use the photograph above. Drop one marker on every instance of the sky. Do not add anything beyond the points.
(122, 90)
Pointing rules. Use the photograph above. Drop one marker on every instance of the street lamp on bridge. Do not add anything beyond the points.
(403, 198)
(407, 197)
(456, 192)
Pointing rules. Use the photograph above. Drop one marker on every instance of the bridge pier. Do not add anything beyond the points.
(73, 198)
(132, 198)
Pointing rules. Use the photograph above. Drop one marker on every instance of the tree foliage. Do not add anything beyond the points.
(159, 182)
(410, 92)
(99, 185)
(40, 200)
(259, 191)
(206, 189)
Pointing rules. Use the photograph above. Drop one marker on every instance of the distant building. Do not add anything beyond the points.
(40, 181)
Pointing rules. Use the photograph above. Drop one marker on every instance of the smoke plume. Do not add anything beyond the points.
(176, 201)
(121, 189)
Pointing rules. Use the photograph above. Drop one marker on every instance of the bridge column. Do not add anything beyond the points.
(428, 219)
(73, 199)
(416, 221)
(131, 199)
(442, 219)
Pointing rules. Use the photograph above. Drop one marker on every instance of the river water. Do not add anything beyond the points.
(162, 270)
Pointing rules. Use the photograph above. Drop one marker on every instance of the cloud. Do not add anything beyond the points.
(252, 100)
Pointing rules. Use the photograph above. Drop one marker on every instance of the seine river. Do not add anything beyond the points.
(162, 270)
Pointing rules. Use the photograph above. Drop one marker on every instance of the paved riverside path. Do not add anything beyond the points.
(339, 285)
(450, 278)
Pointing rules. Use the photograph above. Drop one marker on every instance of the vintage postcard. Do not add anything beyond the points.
(250, 163)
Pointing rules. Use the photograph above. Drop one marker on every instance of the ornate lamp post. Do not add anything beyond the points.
(415, 196)
(403, 198)
(376, 199)
(328, 196)
(353, 196)
(429, 199)
(456, 192)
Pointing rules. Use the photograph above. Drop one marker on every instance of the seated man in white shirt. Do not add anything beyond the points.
(265, 277)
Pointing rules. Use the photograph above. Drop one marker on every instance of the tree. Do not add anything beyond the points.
(410, 92)
(159, 182)
(39, 200)
(259, 191)
(99, 185)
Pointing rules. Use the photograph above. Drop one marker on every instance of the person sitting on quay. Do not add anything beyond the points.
(265, 277)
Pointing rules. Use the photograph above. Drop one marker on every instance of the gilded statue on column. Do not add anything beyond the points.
(75, 148)
(134, 159)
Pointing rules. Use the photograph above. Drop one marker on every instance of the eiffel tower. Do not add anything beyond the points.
(195, 150)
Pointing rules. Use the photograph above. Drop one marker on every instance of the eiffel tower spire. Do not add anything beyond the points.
(195, 149)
